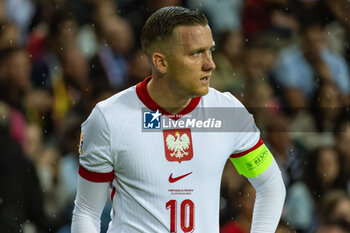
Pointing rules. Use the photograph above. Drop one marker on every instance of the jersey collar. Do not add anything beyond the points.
(142, 93)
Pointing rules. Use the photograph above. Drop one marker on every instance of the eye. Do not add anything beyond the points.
(196, 54)
(212, 50)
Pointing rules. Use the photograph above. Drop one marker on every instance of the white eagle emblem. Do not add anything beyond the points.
(178, 145)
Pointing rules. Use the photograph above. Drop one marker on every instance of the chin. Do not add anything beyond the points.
(203, 91)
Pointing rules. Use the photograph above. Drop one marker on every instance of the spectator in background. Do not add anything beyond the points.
(136, 12)
(47, 74)
(15, 87)
(268, 17)
(116, 41)
(20, 191)
(342, 142)
(20, 12)
(3, 15)
(228, 75)
(47, 164)
(229, 17)
(288, 157)
(69, 137)
(33, 141)
(244, 204)
(16, 76)
(240, 65)
(258, 60)
(259, 99)
(51, 37)
(9, 35)
(283, 22)
(76, 87)
(46, 160)
(322, 172)
(327, 107)
(321, 119)
(338, 27)
(255, 17)
(335, 206)
(139, 67)
(334, 227)
(82, 9)
(154, 5)
(315, 8)
(301, 69)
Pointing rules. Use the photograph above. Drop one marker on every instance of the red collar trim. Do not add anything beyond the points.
(142, 93)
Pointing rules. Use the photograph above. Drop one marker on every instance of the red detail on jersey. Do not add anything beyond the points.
(187, 216)
(178, 145)
(95, 176)
(260, 142)
(112, 194)
(142, 93)
(172, 205)
(174, 179)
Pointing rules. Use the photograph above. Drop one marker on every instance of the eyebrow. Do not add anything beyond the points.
(204, 48)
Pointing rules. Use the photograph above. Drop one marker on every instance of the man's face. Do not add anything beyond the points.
(190, 61)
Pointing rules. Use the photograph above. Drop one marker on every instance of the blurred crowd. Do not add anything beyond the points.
(286, 60)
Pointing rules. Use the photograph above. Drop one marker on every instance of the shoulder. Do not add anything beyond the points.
(125, 97)
(114, 107)
(290, 55)
(333, 58)
(215, 98)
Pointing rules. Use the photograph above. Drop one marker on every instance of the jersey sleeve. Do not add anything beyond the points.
(250, 156)
(253, 162)
(95, 159)
(88, 206)
(269, 200)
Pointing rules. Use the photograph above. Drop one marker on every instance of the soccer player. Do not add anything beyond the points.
(168, 180)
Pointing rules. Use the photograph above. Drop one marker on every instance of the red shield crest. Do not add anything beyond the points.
(178, 145)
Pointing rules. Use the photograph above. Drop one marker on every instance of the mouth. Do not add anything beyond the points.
(205, 79)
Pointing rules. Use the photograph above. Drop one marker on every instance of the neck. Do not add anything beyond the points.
(165, 97)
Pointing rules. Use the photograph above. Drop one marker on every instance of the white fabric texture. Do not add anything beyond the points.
(270, 196)
(89, 203)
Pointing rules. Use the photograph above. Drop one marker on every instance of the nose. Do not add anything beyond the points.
(208, 63)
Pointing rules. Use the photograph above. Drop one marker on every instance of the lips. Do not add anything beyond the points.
(206, 78)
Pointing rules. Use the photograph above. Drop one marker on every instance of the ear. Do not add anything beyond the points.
(159, 61)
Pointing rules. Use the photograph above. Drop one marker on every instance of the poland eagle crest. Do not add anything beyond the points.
(178, 145)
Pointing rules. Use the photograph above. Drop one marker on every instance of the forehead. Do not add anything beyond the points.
(191, 37)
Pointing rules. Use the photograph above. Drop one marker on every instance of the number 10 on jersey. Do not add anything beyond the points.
(186, 215)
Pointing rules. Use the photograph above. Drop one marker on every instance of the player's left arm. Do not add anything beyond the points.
(262, 171)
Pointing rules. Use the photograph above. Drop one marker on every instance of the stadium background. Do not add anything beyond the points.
(287, 61)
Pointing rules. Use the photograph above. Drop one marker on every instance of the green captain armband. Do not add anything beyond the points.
(254, 162)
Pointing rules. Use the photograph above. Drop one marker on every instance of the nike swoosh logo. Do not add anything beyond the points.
(174, 179)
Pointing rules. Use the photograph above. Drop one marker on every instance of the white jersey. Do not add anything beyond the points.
(164, 180)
